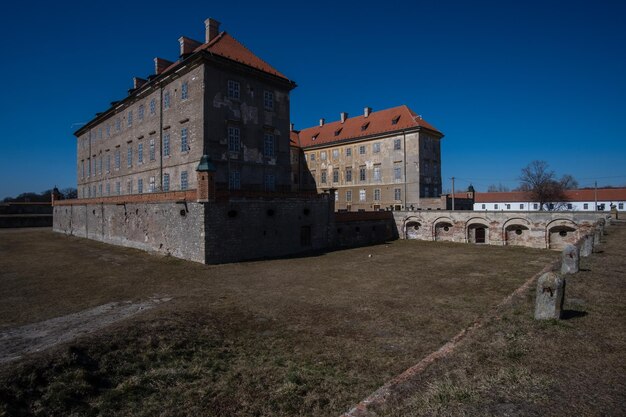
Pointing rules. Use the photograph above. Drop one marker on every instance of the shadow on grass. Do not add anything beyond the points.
(572, 314)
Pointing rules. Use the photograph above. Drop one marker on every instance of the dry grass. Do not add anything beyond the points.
(307, 336)
(517, 366)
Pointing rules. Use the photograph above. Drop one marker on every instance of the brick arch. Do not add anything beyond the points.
(557, 227)
(471, 232)
(442, 235)
(510, 236)
(409, 220)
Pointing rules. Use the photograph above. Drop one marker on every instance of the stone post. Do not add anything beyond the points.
(550, 296)
(570, 260)
(597, 236)
(586, 247)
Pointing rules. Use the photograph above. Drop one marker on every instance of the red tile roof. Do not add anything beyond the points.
(604, 194)
(294, 140)
(228, 47)
(379, 122)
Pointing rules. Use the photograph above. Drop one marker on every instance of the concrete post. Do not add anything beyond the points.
(550, 296)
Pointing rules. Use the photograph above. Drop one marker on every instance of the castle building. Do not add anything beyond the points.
(388, 159)
(217, 99)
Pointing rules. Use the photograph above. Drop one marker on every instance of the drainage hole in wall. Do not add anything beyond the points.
(183, 213)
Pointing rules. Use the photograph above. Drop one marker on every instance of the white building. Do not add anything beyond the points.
(576, 200)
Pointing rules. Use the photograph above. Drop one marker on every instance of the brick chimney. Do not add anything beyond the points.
(187, 46)
(160, 64)
(322, 122)
(138, 82)
(212, 27)
(367, 111)
(344, 116)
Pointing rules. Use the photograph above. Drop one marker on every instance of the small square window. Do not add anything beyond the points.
(348, 151)
(362, 150)
(397, 144)
(376, 147)
(335, 153)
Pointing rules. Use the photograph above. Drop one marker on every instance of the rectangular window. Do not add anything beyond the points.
(495, 206)
(234, 180)
(129, 187)
(484, 206)
(88, 167)
(118, 188)
(184, 147)
(521, 206)
(140, 185)
(130, 118)
(166, 144)
(140, 113)
(335, 175)
(620, 206)
(100, 190)
(377, 175)
(140, 153)
(348, 174)
(508, 207)
(184, 91)
(397, 172)
(376, 147)
(377, 194)
(233, 139)
(82, 168)
(348, 151)
(362, 150)
(129, 157)
(362, 176)
(268, 145)
(268, 100)
(151, 185)
(397, 144)
(569, 206)
(117, 159)
(335, 153)
(166, 182)
(118, 124)
(312, 157)
(151, 150)
(535, 206)
(100, 166)
(336, 196)
(108, 188)
(166, 100)
(362, 195)
(349, 195)
(397, 194)
(153, 107)
(108, 131)
(270, 182)
(108, 163)
(233, 89)
(323, 155)
(183, 180)
(586, 206)
(324, 177)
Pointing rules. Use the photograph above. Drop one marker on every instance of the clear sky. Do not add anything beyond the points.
(507, 82)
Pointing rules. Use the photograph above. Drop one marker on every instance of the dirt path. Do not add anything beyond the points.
(16, 342)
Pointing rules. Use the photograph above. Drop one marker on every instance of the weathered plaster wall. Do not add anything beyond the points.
(537, 229)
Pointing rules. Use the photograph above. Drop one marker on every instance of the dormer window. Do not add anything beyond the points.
(338, 131)
(394, 121)
(365, 126)
(315, 136)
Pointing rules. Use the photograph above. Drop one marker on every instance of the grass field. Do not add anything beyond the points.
(305, 336)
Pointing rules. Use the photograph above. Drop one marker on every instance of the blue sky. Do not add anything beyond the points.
(507, 82)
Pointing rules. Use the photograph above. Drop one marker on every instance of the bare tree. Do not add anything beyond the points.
(568, 182)
(500, 188)
(540, 181)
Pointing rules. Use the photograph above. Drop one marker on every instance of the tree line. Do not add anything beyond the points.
(42, 197)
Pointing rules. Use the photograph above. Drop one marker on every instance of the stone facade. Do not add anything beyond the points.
(230, 230)
(218, 99)
(373, 161)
